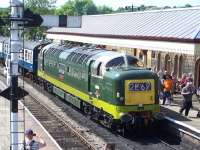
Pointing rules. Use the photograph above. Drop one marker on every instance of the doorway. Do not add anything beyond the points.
(175, 65)
(167, 63)
(180, 67)
(158, 62)
(197, 73)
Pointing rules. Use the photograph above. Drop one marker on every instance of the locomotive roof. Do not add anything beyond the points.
(66, 52)
(81, 54)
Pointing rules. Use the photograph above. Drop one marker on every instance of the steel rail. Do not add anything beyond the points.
(83, 139)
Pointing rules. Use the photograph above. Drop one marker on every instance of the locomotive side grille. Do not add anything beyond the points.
(139, 92)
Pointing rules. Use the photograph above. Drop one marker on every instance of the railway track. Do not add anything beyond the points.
(129, 143)
(65, 135)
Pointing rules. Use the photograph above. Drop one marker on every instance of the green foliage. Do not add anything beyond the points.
(167, 7)
(35, 33)
(78, 7)
(143, 8)
(188, 5)
(4, 28)
(104, 10)
(42, 7)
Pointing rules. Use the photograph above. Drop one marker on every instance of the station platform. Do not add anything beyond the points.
(171, 112)
(30, 122)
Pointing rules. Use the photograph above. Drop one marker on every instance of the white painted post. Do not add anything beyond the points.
(12, 64)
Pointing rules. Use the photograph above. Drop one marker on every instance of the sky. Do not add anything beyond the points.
(117, 3)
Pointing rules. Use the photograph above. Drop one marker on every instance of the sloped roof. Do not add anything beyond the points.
(168, 25)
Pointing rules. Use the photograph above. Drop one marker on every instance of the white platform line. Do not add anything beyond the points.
(188, 133)
(183, 124)
(41, 126)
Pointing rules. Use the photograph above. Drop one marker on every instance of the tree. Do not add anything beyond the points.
(4, 13)
(188, 5)
(104, 10)
(142, 8)
(166, 7)
(78, 7)
(41, 6)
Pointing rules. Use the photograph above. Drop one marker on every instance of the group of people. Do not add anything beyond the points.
(170, 85)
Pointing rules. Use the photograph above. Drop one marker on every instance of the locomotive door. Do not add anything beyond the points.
(89, 75)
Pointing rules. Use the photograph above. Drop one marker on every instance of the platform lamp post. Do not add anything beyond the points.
(18, 20)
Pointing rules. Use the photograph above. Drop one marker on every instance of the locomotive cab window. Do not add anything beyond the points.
(133, 61)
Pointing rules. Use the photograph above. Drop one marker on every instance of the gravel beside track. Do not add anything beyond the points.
(95, 134)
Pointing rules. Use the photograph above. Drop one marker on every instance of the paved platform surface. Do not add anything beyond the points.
(172, 111)
(30, 122)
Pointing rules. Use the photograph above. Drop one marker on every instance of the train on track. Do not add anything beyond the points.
(106, 85)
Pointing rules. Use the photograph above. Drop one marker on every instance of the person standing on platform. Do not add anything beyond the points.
(187, 93)
(30, 143)
(167, 85)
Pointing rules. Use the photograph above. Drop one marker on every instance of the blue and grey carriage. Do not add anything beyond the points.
(27, 58)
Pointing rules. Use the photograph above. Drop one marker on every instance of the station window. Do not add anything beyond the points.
(141, 56)
(135, 51)
(153, 54)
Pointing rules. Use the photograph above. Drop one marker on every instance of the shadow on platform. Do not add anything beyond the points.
(173, 114)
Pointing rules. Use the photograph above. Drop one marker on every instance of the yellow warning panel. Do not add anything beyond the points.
(139, 92)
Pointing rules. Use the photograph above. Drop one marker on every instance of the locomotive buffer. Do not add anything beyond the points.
(18, 20)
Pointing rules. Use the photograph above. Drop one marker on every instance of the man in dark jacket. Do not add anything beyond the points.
(187, 93)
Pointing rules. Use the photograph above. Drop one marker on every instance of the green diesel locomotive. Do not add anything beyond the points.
(106, 85)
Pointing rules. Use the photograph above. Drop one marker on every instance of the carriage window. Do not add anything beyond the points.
(26, 55)
(116, 62)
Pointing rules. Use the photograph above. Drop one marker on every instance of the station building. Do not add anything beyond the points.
(163, 39)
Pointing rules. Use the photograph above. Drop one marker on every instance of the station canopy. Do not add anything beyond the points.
(172, 30)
